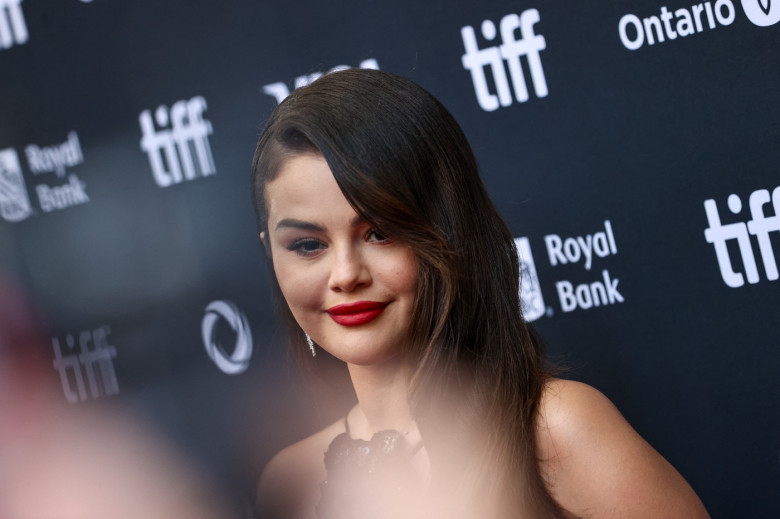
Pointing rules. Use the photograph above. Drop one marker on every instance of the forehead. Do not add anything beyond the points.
(303, 187)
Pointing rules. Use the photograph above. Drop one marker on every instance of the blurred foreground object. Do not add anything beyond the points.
(64, 461)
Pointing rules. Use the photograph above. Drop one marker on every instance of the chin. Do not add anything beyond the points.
(361, 356)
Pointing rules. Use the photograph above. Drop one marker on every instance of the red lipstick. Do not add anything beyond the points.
(355, 314)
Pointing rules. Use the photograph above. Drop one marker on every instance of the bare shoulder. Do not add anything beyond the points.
(289, 484)
(597, 466)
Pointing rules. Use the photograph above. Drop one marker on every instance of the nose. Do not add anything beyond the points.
(349, 270)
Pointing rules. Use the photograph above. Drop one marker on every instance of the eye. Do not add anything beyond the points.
(306, 247)
(375, 236)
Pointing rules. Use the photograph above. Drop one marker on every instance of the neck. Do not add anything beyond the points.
(382, 392)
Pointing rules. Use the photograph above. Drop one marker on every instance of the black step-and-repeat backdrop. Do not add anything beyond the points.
(633, 147)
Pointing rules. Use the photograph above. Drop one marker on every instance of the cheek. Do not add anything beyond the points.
(406, 282)
(404, 274)
(299, 286)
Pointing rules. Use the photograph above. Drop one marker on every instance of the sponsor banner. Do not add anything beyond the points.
(489, 64)
(64, 191)
(673, 23)
(763, 13)
(85, 363)
(761, 226)
(237, 361)
(56, 158)
(280, 90)
(14, 199)
(580, 293)
(178, 148)
(531, 299)
(13, 28)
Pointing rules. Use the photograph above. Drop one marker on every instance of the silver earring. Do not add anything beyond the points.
(311, 345)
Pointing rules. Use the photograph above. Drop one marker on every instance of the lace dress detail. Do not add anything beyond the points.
(368, 479)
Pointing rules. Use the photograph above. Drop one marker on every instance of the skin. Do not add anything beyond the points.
(594, 463)
(597, 466)
(324, 255)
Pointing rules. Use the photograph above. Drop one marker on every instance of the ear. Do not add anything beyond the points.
(266, 244)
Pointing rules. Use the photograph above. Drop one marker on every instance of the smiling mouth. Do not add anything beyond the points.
(355, 314)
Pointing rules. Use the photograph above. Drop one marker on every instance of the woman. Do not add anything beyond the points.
(387, 254)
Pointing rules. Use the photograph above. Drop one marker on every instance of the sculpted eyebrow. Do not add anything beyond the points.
(298, 224)
(309, 226)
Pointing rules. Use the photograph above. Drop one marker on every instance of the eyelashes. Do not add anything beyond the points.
(377, 237)
(306, 247)
(309, 247)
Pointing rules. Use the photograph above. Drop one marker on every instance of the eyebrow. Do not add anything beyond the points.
(309, 226)
(298, 224)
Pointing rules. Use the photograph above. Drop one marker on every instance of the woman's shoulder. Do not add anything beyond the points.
(563, 403)
(570, 414)
(289, 483)
(594, 461)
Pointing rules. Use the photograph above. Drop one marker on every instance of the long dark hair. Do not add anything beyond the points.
(405, 166)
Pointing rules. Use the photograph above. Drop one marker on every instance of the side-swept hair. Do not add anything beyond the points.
(404, 164)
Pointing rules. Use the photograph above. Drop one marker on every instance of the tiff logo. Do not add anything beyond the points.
(13, 29)
(760, 225)
(172, 150)
(95, 360)
(511, 49)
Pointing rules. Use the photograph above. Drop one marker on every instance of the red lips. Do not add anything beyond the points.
(355, 314)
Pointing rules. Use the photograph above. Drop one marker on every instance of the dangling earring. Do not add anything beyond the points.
(311, 345)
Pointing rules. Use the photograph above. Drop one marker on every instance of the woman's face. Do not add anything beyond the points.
(350, 288)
